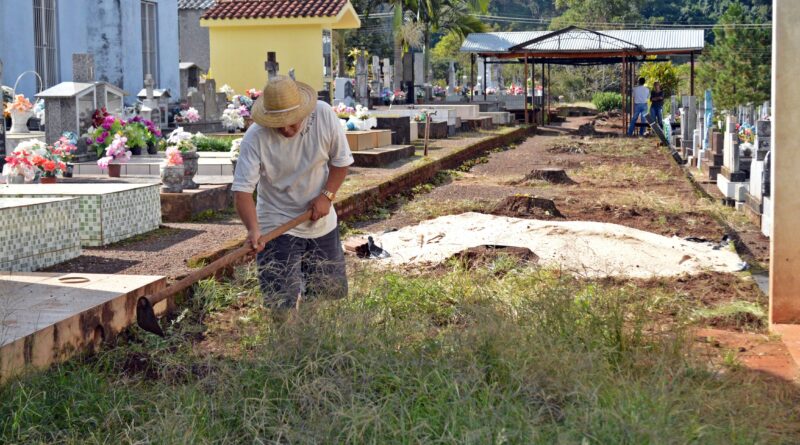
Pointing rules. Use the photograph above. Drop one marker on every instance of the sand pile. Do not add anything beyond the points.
(589, 249)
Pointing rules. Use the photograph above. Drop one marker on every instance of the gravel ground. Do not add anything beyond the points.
(161, 252)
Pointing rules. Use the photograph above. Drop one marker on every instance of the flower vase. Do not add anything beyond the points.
(189, 169)
(136, 151)
(172, 177)
(69, 170)
(19, 121)
(151, 148)
(114, 170)
(15, 179)
(47, 179)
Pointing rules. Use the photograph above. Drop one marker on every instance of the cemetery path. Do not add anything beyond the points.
(162, 252)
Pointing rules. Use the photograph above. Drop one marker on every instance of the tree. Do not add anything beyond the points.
(596, 13)
(737, 66)
(662, 72)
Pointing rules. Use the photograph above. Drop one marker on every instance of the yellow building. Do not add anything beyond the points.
(241, 32)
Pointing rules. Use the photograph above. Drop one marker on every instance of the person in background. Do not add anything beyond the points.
(657, 104)
(640, 96)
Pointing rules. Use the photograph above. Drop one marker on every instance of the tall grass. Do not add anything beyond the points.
(503, 354)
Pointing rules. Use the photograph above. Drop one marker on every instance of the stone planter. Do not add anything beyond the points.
(172, 177)
(19, 121)
(189, 169)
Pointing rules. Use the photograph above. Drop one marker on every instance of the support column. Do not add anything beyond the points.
(483, 84)
(784, 277)
(533, 91)
(472, 77)
(525, 89)
(624, 101)
(541, 118)
(691, 75)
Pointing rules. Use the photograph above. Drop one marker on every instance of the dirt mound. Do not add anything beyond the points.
(523, 206)
(586, 129)
(551, 175)
(572, 147)
(486, 254)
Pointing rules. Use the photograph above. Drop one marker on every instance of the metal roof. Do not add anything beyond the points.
(195, 4)
(577, 40)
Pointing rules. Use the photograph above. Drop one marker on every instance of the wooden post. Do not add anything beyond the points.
(691, 74)
(541, 118)
(548, 93)
(533, 91)
(624, 104)
(525, 90)
(483, 84)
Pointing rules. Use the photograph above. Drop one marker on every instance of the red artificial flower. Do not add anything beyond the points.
(38, 160)
(49, 166)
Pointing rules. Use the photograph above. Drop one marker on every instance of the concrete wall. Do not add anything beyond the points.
(194, 46)
(238, 54)
(16, 50)
(109, 29)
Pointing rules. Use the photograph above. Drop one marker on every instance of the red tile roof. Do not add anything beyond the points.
(253, 9)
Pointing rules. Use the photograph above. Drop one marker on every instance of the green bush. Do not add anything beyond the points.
(205, 143)
(607, 101)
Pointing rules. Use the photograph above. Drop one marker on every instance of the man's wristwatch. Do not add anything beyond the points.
(330, 195)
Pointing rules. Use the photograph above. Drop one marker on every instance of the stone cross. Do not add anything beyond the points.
(82, 68)
(148, 85)
(361, 79)
(271, 65)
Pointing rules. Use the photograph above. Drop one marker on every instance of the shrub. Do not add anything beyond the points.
(607, 101)
(205, 143)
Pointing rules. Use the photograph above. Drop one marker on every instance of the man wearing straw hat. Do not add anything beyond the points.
(296, 153)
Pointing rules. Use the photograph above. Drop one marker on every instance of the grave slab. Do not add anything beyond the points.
(382, 156)
(478, 123)
(48, 317)
(732, 190)
(181, 207)
(438, 130)
(400, 127)
(37, 233)
(106, 212)
(364, 140)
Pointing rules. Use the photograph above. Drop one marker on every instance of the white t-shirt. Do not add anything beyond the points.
(291, 172)
(641, 94)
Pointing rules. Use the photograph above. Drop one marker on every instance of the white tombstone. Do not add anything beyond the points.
(344, 91)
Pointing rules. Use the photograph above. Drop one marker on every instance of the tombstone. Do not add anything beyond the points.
(69, 107)
(209, 89)
(419, 73)
(82, 68)
(344, 92)
(362, 95)
(271, 65)
(766, 176)
(451, 78)
(730, 150)
(155, 99)
(387, 73)
(763, 140)
(375, 83)
(195, 100)
(708, 120)
(489, 80)
(189, 77)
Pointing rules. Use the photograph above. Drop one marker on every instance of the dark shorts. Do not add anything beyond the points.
(290, 266)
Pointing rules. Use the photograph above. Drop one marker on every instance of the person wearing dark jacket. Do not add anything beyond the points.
(657, 104)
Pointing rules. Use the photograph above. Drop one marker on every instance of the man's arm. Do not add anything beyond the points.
(246, 208)
(321, 205)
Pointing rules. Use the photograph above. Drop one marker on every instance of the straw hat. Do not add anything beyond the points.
(283, 102)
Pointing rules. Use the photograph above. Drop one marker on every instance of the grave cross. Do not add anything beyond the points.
(271, 65)
(148, 84)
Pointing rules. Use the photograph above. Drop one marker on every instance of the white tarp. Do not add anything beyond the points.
(589, 249)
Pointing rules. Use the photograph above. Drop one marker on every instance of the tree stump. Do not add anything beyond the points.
(527, 206)
(552, 175)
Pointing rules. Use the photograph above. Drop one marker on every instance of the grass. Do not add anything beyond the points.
(526, 356)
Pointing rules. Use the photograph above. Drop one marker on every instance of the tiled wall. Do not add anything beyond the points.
(111, 217)
(38, 233)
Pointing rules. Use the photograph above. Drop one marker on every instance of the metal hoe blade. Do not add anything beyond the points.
(376, 251)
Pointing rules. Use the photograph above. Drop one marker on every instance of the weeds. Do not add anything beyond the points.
(533, 356)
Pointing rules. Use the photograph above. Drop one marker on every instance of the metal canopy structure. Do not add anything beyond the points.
(580, 46)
